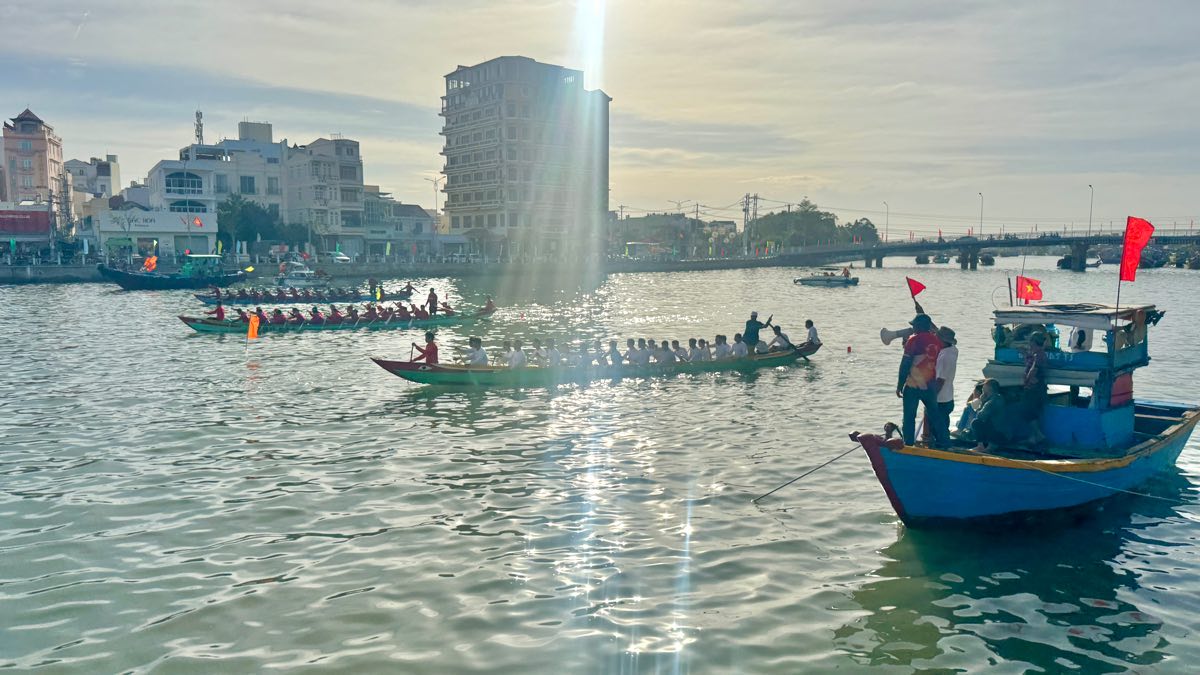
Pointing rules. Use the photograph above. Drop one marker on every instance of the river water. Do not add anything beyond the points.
(189, 502)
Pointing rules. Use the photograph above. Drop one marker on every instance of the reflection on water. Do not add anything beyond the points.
(203, 503)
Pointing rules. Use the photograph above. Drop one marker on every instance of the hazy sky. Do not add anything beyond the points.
(920, 104)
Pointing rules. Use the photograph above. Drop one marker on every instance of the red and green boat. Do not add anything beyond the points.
(535, 376)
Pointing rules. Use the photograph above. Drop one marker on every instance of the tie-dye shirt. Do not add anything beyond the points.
(923, 348)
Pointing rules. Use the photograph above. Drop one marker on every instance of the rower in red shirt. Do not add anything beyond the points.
(419, 312)
(428, 353)
(218, 313)
(402, 312)
(488, 308)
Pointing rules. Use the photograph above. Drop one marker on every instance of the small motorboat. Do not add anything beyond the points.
(828, 276)
(298, 275)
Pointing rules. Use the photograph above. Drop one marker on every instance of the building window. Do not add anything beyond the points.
(26, 145)
(351, 219)
(272, 185)
(27, 164)
(349, 195)
(220, 183)
(491, 221)
(512, 133)
(246, 185)
(454, 223)
(187, 206)
(273, 209)
(184, 183)
(512, 154)
(348, 172)
(27, 181)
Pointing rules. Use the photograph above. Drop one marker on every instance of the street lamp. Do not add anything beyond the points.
(887, 219)
(1091, 201)
(433, 239)
(981, 215)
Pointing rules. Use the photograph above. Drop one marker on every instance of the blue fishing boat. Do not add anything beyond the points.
(1099, 440)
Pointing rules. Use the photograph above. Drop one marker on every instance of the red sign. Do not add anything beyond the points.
(25, 222)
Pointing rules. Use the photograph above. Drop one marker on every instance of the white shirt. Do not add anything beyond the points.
(642, 357)
(812, 335)
(614, 357)
(1080, 345)
(682, 354)
(553, 357)
(516, 359)
(696, 354)
(947, 365)
(740, 350)
(781, 340)
(722, 351)
(477, 357)
(664, 355)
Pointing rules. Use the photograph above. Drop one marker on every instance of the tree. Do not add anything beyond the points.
(239, 218)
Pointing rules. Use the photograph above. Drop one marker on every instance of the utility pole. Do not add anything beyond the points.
(434, 235)
(746, 224)
(1091, 202)
(887, 220)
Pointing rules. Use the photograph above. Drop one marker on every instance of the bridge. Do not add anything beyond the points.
(968, 248)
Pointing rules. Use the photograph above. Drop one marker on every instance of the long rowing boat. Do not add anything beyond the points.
(204, 325)
(534, 376)
(321, 299)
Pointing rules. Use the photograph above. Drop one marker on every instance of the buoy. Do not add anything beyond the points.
(849, 349)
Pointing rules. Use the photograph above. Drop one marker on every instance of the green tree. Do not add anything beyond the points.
(240, 219)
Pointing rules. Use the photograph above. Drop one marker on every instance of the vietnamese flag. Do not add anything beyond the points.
(1137, 235)
(1028, 289)
(914, 286)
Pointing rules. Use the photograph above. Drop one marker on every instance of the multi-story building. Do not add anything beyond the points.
(526, 150)
(33, 161)
(395, 228)
(207, 174)
(325, 191)
(95, 179)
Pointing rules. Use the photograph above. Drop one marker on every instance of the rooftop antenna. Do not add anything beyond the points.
(199, 128)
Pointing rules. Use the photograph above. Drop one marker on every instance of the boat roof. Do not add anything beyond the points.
(204, 256)
(1082, 314)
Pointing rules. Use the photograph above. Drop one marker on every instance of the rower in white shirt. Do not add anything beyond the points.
(614, 354)
(812, 332)
(516, 358)
(722, 350)
(553, 356)
(702, 352)
(780, 342)
(680, 353)
(476, 356)
(739, 348)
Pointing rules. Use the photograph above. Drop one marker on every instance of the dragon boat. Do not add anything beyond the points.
(536, 376)
(323, 298)
(1099, 440)
(206, 325)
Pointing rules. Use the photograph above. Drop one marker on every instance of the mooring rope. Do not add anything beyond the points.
(812, 470)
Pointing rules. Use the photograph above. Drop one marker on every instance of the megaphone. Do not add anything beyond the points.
(888, 335)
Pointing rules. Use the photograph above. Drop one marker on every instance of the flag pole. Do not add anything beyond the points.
(1010, 294)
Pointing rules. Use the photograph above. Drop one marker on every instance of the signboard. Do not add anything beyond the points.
(25, 222)
(135, 222)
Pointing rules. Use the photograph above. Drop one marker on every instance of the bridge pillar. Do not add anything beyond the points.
(974, 260)
(963, 256)
(867, 262)
(879, 262)
(1079, 256)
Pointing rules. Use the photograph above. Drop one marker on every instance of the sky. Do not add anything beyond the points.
(922, 105)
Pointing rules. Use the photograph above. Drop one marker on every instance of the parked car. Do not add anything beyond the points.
(335, 257)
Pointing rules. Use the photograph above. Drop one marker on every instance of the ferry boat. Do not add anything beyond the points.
(298, 275)
(1100, 440)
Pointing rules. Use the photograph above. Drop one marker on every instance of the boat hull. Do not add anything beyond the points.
(827, 281)
(927, 486)
(153, 281)
(202, 325)
(501, 377)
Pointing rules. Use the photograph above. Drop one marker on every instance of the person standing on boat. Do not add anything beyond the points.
(753, 325)
(432, 302)
(916, 382)
(946, 368)
(1035, 394)
(428, 353)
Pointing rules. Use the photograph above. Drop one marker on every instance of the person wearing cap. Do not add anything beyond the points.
(753, 325)
(916, 383)
(945, 370)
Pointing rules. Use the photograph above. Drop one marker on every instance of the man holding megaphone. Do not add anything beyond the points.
(916, 383)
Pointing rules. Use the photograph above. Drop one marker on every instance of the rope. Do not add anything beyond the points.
(812, 470)
(1031, 465)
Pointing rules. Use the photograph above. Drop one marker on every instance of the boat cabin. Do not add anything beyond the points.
(1092, 351)
(201, 265)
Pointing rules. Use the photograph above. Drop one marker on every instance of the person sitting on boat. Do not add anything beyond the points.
(846, 272)
(722, 348)
(293, 294)
(693, 350)
(990, 427)
(552, 355)
(604, 358)
(916, 380)
(739, 348)
(702, 351)
(280, 294)
(243, 316)
(681, 354)
(216, 293)
(402, 313)
(419, 312)
(315, 315)
(308, 294)
(780, 342)
(1080, 340)
(428, 353)
(664, 354)
(431, 302)
(278, 317)
(488, 308)
(242, 294)
(643, 352)
(630, 355)
(372, 313)
(579, 358)
(217, 312)
(334, 315)
(476, 356)
(517, 358)
(295, 318)
(537, 353)
(753, 326)
(447, 309)
(262, 316)
(385, 314)
(352, 315)
(813, 338)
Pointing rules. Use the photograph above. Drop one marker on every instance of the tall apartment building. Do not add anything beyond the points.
(325, 192)
(526, 150)
(33, 161)
(94, 179)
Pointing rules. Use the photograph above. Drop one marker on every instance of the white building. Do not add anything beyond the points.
(526, 157)
(163, 232)
(396, 228)
(95, 177)
(325, 192)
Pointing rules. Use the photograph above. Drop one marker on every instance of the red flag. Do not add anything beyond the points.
(914, 286)
(197, 222)
(252, 329)
(1028, 289)
(1137, 235)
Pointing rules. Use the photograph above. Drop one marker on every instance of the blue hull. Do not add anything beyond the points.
(925, 484)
